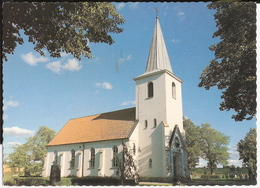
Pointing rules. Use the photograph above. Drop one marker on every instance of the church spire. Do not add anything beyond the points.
(158, 57)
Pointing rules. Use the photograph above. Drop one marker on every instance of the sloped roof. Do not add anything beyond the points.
(100, 127)
(158, 56)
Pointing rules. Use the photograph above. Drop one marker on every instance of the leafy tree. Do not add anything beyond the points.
(247, 151)
(192, 142)
(127, 168)
(31, 155)
(232, 168)
(213, 145)
(59, 27)
(234, 67)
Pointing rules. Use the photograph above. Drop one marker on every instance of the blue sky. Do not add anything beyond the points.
(49, 91)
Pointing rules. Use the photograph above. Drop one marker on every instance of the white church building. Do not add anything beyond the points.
(152, 131)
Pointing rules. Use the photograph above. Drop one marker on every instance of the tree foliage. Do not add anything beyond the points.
(192, 142)
(213, 145)
(59, 27)
(127, 167)
(247, 151)
(31, 155)
(234, 67)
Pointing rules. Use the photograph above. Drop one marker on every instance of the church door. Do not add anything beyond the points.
(175, 170)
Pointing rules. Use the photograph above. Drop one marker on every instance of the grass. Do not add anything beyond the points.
(219, 171)
(219, 182)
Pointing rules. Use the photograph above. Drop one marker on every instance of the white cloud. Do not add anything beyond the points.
(54, 66)
(32, 59)
(181, 15)
(16, 131)
(175, 40)
(5, 116)
(129, 57)
(96, 59)
(120, 6)
(72, 65)
(133, 5)
(64, 54)
(98, 84)
(234, 157)
(127, 103)
(10, 103)
(13, 143)
(105, 85)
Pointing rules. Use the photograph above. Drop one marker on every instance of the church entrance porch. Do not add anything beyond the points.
(177, 164)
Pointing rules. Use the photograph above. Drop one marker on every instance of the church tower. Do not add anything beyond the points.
(158, 110)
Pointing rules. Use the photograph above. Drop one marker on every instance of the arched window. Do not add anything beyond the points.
(92, 158)
(145, 124)
(72, 162)
(177, 142)
(150, 89)
(150, 163)
(173, 90)
(154, 123)
(115, 157)
(55, 157)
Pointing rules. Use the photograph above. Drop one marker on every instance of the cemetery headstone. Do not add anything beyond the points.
(55, 175)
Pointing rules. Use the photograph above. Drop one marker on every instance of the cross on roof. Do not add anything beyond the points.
(157, 12)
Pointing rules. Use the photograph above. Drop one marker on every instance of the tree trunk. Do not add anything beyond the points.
(211, 169)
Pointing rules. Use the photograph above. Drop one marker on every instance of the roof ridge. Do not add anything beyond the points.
(103, 113)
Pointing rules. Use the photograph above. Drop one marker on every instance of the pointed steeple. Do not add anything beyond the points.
(158, 57)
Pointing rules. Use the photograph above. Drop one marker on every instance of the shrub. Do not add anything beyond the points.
(29, 181)
(9, 181)
(204, 177)
(100, 181)
(211, 177)
(65, 182)
(232, 176)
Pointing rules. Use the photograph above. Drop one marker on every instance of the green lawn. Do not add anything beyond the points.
(219, 182)
(219, 171)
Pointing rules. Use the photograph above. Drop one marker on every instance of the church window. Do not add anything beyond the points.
(154, 123)
(133, 149)
(177, 142)
(150, 89)
(72, 162)
(150, 163)
(145, 124)
(55, 157)
(92, 158)
(115, 159)
(173, 90)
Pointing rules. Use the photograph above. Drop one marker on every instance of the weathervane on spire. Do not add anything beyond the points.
(157, 12)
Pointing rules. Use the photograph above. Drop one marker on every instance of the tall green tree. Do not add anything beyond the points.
(213, 145)
(192, 142)
(247, 152)
(59, 27)
(234, 67)
(31, 155)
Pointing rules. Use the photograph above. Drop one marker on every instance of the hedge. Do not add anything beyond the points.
(28, 181)
(42, 181)
(210, 176)
(100, 181)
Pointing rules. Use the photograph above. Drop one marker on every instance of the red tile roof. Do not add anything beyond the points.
(106, 126)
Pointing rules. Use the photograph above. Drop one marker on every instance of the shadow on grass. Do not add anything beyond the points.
(219, 182)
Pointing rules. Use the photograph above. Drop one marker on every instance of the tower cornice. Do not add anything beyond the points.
(152, 73)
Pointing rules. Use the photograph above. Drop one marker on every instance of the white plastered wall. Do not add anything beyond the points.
(103, 158)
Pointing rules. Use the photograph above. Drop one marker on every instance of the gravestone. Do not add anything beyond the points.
(55, 175)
